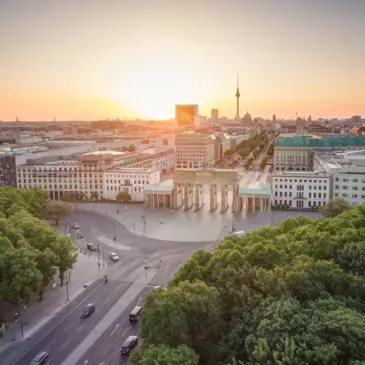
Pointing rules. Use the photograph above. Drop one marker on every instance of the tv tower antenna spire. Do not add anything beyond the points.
(238, 98)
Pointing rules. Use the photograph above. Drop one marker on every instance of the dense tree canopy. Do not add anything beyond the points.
(31, 252)
(280, 295)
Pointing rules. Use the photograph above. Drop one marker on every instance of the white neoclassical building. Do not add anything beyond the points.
(130, 180)
(300, 189)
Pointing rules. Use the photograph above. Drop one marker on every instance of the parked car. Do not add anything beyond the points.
(113, 256)
(159, 287)
(133, 316)
(40, 359)
(91, 247)
(129, 344)
(88, 310)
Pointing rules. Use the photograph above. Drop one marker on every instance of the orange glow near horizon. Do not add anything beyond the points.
(137, 59)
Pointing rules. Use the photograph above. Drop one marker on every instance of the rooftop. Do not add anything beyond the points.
(256, 189)
(301, 173)
(131, 170)
(321, 142)
(164, 187)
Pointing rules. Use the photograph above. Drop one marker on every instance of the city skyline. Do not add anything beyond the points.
(133, 59)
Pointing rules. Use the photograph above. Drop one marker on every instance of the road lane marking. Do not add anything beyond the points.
(120, 306)
(65, 344)
(58, 323)
(115, 329)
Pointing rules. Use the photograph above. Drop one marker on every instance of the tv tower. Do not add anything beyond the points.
(238, 99)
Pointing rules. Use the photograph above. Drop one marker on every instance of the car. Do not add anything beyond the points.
(133, 316)
(158, 287)
(88, 310)
(76, 226)
(129, 344)
(87, 284)
(79, 234)
(40, 359)
(113, 256)
(91, 247)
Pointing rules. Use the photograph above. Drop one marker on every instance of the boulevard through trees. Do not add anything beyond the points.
(287, 294)
(31, 252)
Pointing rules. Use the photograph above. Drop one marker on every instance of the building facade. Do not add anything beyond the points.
(300, 190)
(194, 150)
(296, 153)
(187, 115)
(88, 176)
(129, 180)
(8, 170)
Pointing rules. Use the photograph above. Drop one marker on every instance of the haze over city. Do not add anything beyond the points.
(91, 59)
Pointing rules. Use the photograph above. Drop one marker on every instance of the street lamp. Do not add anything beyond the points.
(19, 315)
(68, 279)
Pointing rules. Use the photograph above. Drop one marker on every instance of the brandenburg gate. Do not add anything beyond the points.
(187, 189)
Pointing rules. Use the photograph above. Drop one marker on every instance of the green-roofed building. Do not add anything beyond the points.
(295, 153)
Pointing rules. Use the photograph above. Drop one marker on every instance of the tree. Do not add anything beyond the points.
(95, 196)
(164, 355)
(289, 294)
(189, 313)
(335, 207)
(30, 251)
(123, 196)
(56, 210)
(19, 276)
(66, 255)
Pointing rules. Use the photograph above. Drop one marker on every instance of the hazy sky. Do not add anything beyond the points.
(89, 59)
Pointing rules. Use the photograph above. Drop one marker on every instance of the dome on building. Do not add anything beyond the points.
(247, 119)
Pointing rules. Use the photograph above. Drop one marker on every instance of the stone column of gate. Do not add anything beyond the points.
(186, 196)
(213, 197)
(235, 198)
(197, 197)
(224, 202)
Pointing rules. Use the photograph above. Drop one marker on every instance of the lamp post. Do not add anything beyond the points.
(98, 251)
(67, 281)
(19, 315)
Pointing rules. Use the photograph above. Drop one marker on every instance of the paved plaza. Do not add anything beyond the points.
(186, 226)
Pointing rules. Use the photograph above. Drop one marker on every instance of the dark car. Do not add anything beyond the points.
(40, 359)
(129, 344)
(133, 316)
(91, 247)
(88, 310)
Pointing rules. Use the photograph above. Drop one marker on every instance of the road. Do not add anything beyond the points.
(65, 333)
(106, 351)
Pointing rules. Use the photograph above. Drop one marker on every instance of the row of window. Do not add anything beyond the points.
(345, 195)
(345, 187)
(301, 187)
(300, 195)
(299, 203)
(116, 188)
(128, 182)
(355, 181)
(300, 180)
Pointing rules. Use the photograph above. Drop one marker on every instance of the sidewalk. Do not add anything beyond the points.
(37, 313)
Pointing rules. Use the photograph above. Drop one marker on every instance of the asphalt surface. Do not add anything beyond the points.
(62, 334)
(106, 351)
